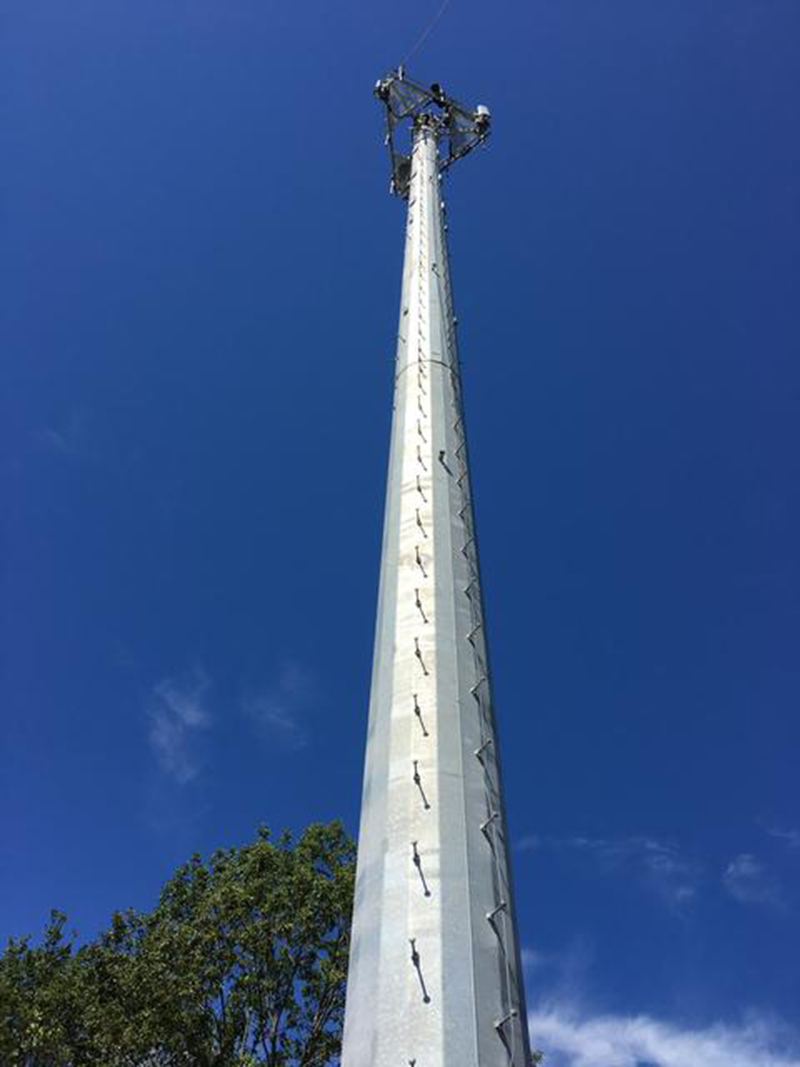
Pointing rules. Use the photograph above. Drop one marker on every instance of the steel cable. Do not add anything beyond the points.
(425, 33)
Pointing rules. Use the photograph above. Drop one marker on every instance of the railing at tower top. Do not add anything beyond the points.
(405, 101)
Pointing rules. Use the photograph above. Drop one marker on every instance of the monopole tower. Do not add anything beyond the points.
(435, 977)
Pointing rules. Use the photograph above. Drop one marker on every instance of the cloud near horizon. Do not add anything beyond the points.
(570, 1038)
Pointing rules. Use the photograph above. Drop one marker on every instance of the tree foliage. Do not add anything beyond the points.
(243, 961)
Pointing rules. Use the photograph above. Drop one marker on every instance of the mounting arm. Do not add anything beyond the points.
(459, 127)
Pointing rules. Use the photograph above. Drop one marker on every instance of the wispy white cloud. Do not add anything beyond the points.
(563, 973)
(748, 881)
(529, 843)
(276, 710)
(533, 960)
(570, 1038)
(177, 712)
(657, 865)
(789, 837)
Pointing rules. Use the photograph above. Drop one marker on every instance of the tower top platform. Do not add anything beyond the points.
(408, 103)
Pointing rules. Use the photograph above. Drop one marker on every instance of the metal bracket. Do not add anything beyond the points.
(418, 561)
(492, 915)
(416, 859)
(418, 713)
(482, 748)
(458, 127)
(474, 689)
(415, 963)
(417, 779)
(488, 823)
(500, 1023)
(418, 654)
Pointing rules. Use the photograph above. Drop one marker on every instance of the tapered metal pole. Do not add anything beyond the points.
(435, 978)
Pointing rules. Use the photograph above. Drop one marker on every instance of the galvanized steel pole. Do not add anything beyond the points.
(435, 977)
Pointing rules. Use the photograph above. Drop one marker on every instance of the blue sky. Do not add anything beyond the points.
(200, 271)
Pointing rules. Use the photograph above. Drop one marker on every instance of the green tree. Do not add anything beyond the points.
(38, 998)
(243, 961)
